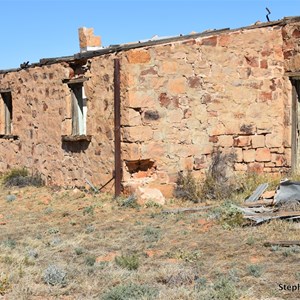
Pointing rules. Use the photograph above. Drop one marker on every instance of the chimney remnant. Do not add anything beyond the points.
(87, 40)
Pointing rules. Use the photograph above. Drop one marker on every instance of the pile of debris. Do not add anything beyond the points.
(284, 203)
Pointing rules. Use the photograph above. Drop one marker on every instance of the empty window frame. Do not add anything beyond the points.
(6, 112)
(79, 109)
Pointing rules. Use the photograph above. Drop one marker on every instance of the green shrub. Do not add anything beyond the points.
(186, 255)
(20, 177)
(10, 243)
(180, 278)
(228, 215)
(250, 240)
(90, 260)
(55, 275)
(219, 182)
(15, 172)
(11, 198)
(152, 234)
(297, 275)
(222, 289)
(48, 210)
(187, 187)
(248, 183)
(79, 251)
(225, 289)
(254, 270)
(53, 230)
(130, 262)
(129, 202)
(152, 204)
(130, 291)
(89, 228)
(4, 286)
(89, 210)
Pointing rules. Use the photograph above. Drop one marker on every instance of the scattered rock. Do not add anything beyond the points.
(76, 191)
(108, 257)
(146, 195)
(153, 253)
(205, 225)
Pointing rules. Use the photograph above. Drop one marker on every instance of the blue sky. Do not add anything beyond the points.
(34, 29)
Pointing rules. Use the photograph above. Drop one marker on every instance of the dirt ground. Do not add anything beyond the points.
(69, 244)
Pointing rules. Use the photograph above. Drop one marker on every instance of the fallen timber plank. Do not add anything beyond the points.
(263, 217)
(187, 209)
(282, 214)
(282, 243)
(259, 203)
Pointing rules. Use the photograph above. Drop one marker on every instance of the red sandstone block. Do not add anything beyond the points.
(252, 61)
(242, 141)
(153, 150)
(274, 140)
(225, 140)
(249, 155)
(137, 99)
(265, 96)
(213, 139)
(169, 67)
(279, 160)
(296, 33)
(137, 134)
(177, 85)
(263, 154)
(162, 177)
(239, 154)
(258, 141)
(255, 168)
(240, 167)
(138, 56)
(264, 64)
(166, 189)
(224, 40)
(211, 41)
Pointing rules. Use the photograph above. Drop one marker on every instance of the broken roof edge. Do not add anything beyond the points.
(129, 46)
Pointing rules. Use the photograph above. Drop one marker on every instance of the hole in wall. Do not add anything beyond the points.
(135, 166)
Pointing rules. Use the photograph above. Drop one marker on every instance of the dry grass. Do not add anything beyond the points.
(180, 256)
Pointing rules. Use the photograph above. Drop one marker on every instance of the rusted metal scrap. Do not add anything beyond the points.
(288, 191)
(259, 218)
(256, 210)
(257, 193)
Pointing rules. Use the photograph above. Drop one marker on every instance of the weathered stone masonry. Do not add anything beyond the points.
(42, 114)
(181, 98)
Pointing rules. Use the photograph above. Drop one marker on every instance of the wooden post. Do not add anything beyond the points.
(117, 125)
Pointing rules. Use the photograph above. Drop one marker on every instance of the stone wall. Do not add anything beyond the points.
(42, 114)
(179, 102)
(185, 99)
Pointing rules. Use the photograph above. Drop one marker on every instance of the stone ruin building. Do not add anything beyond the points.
(136, 114)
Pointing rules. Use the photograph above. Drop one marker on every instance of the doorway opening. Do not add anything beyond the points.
(295, 124)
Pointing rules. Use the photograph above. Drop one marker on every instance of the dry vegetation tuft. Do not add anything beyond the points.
(69, 244)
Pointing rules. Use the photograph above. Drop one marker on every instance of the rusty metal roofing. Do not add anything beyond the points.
(150, 42)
